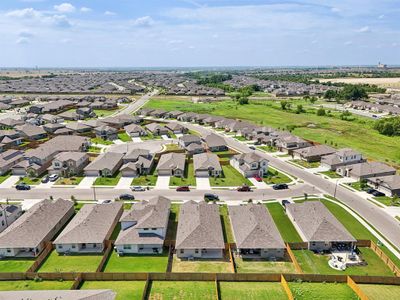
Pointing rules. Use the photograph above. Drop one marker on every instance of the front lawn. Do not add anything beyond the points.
(94, 149)
(31, 180)
(230, 177)
(125, 290)
(136, 263)
(145, 180)
(124, 137)
(331, 174)
(251, 290)
(285, 226)
(201, 265)
(193, 290)
(388, 201)
(322, 291)
(187, 179)
(69, 181)
(268, 148)
(263, 266)
(108, 181)
(4, 177)
(104, 112)
(306, 164)
(70, 263)
(31, 285)
(100, 141)
(226, 224)
(275, 177)
(15, 264)
(380, 291)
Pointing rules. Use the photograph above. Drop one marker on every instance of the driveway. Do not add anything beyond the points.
(10, 181)
(124, 183)
(153, 146)
(46, 185)
(118, 142)
(203, 183)
(162, 183)
(258, 184)
(136, 139)
(165, 137)
(86, 182)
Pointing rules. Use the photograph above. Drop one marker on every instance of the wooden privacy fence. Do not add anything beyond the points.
(298, 245)
(107, 252)
(146, 290)
(286, 288)
(293, 259)
(42, 257)
(356, 289)
(392, 266)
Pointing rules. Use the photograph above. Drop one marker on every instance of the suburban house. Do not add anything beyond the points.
(106, 132)
(188, 139)
(389, 185)
(206, 164)
(366, 170)
(173, 114)
(199, 233)
(186, 117)
(289, 143)
(137, 162)
(215, 143)
(158, 113)
(8, 214)
(171, 164)
(144, 227)
(156, 129)
(67, 164)
(78, 127)
(120, 121)
(7, 123)
(250, 164)
(31, 132)
(175, 127)
(59, 294)
(135, 130)
(26, 237)
(211, 120)
(85, 112)
(146, 111)
(88, 231)
(255, 232)
(10, 158)
(342, 157)
(195, 149)
(48, 118)
(105, 165)
(69, 115)
(313, 153)
(318, 227)
(52, 127)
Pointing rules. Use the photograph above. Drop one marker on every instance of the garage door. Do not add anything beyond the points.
(92, 173)
(202, 174)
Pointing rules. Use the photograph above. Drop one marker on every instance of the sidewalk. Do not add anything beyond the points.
(9, 182)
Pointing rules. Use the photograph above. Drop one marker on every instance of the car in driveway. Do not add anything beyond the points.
(252, 148)
(378, 194)
(371, 191)
(137, 188)
(244, 188)
(53, 177)
(22, 187)
(280, 186)
(210, 197)
(126, 197)
(257, 178)
(45, 179)
(182, 189)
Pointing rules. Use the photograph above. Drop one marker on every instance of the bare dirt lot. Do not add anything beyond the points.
(383, 82)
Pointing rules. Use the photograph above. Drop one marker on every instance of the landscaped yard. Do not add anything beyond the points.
(108, 181)
(136, 263)
(31, 180)
(15, 264)
(145, 180)
(70, 263)
(94, 149)
(268, 148)
(322, 291)
(230, 177)
(306, 164)
(173, 222)
(263, 266)
(226, 224)
(380, 291)
(21, 285)
(251, 290)
(100, 141)
(126, 290)
(201, 266)
(331, 174)
(69, 181)
(388, 201)
(104, 112)
(187, 179)
(193, 290)
(4, 177)
(275, 177)
(124, 137)
(285, 226)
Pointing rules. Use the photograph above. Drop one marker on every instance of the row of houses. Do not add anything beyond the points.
(375, 107)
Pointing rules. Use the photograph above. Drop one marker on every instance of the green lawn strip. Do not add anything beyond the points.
(240, 138)
(230, 177)
(70, 263)
(263, 266)
(251, 290)
(108, 181)
(94, 149)
(100, 141)
(226, 224)
(331, 174)
(4, 177)
(124, 137)
(268, 148)
(136, 263)
(147, 180)
(275, 177)
(201, 265)
(115, 232)
(125, 290)
(15, 264)
(193, 290)
(187, 179)
(380, 291)
(355, 185)
(69, 181)
(23, 285)
(388, 201)
(104, 112)
(306, 164)
(322, 291)
(31, 180)
(173, 221)
(285, 226)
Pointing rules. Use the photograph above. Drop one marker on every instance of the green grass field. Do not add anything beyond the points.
(70, 263)
(30, 180)
(230, 177)
(306, 164)
(275, 177)
(379, 291)
(15, 265)
(285, 226)
(108, 181)
(94, 149)
(187, 179)
(124, 137)
(4, 177)
(322, 291)
(100, 141)
(251, 291)
(147, 180)
(126, 290)
(104, 112)
(136, 263)
(251, 266)
(201, 266)
(21, 285)
(69, 181)
(193, 290)
(331, 174)
(226, 224)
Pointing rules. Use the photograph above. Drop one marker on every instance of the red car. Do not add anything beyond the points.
(258, 178)
(244, 188)
(182, 189)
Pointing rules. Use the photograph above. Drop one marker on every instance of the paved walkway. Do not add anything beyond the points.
(119, 142)
(162, 183)
(203, 183)
(258, 184)
(46, 185)
(124, 183)
(136, 139)
(9, 182)
(86, 182)
(165, 137)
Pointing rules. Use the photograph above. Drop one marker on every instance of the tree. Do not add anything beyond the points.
(321, 112)
(330, 94)
(299, 109)
(284, 104)
(388, 126)
(353, 92)
(313, 99)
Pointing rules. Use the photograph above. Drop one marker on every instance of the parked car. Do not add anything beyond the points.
(126, 197)
(252, 148)
(244, 188)
(284, 203)
(45, 179)
(53, 177)
(258, 178)
(210, 197)
(280, 186)
(378, 194)
(370, 191)
(182, 189)
(137, 188)
(104, 201)
(22, 187)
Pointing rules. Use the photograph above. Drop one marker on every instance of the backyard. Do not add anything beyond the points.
(104, 112)
(125, 290)
(201, 266)
(21, 285)
(251, 290)
(70, 263)
(173, 222)
(263, 266)
(124, 137)
(379, 291)
(321, 291)
(108, 181)
(136, 263)
(100, 141)
(230, 177)
(193, 290)
(226, 224)
(15, 264)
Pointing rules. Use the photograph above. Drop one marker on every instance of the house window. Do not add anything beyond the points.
(73, 247)
(59, 246)
(182, 251)
(94, 245)
(145, 229)
(154, 229)
(8, 250)
(127, 247)
(196, 251)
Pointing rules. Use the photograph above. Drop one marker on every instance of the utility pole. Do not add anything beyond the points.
(334, 194)
(94, 193)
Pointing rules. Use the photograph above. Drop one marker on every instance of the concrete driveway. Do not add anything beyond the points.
(136, 139)
(162, 183)
(153, 146)
(86, 182)
(124, 183)
(203, 183)
(46, 185)
(9, 182)
(257, 184)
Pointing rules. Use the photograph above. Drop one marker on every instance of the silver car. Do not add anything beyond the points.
(137, 188)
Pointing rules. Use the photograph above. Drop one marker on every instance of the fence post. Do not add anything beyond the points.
(351, 283)
(386, 259)
(294, 260)
(286, 288)
(217, 295)
(41, 258)
(231, 258)
(77, 282)
(105, 256)
(146, 290)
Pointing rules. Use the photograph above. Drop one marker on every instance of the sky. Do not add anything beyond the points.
(198, 33)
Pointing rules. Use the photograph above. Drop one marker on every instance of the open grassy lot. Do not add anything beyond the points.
(173, 222)
(108, 181)
(201, 266)
(15, 264)
(136, 263)
(331, 174)
(69, 181)
(193, 290)
(230, 177)
(187, 179)
(331, 130)
(124, 137)
(226, 224)
(126, 290)
(263, 266)
(70, 263)
(318, 264)
(322, 291)
(20, 285)
(275, 177)
(4, 177)
(100, 141)
(379, 291)
(306, 164)
(251, 290)
(285, 226)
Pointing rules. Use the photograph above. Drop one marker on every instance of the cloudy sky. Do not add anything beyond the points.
(151, 33)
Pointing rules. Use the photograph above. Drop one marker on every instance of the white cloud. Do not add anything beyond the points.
(109, 13)
(60, 21)
(65, 8)
(65, 41)
(24, 13)
(381, 17)
(85, 9)
(22, 41)
(145, 21)
(335, 10)
(348, 43)
(363, 29)
(25, 34)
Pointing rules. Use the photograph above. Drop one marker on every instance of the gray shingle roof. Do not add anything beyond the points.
(172, 161)
(205, 161)
(106, 160)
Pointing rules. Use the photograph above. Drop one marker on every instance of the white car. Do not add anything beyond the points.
(137, 188)
(53, 177)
